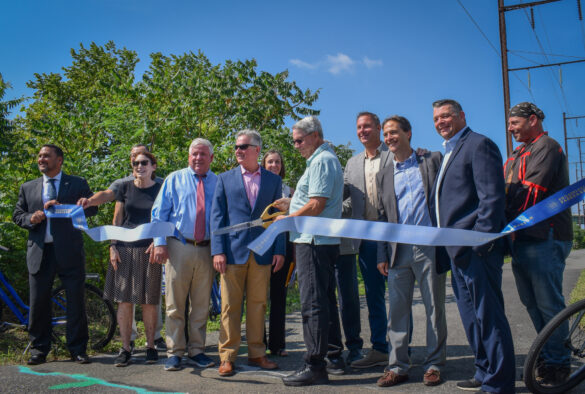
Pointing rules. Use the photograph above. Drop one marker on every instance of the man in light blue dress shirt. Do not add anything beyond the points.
(404, 190)
(189, 270)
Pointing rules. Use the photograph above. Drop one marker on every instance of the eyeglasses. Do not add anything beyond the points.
(143, 162)
(243, 146)
(301, 140)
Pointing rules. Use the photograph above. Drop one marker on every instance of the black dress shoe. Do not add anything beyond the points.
(37, 359)
(81, 358)
(306, 376)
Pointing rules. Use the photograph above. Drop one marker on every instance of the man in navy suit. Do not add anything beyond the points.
(469, 194)
(54, 247)
(241, 195)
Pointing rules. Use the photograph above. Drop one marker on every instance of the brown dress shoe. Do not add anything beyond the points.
(391, 378)
(432, 377)
(262, 362)
(226, 368)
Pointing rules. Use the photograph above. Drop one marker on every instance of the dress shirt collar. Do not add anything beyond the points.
(450, 143)
(57, 177)
(244, 171)
(196, 174)
(378, 150)
(411, 160)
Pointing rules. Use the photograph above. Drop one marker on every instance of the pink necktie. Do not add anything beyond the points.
(200, 211)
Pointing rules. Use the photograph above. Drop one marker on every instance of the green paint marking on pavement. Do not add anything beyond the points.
(84, 381)
(71, 385)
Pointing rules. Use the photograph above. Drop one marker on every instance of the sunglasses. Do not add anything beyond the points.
(301, 140)
(243, 146)
(143, 162)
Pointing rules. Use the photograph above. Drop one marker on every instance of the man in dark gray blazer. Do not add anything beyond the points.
(469, 194)
(361, 201)
(54, 247)
(404, 191)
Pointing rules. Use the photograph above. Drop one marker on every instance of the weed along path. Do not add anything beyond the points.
(102, 377)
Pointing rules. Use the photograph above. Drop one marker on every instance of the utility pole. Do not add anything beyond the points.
(565, 118)
(505, 73)
(578, 205)
(502, 9)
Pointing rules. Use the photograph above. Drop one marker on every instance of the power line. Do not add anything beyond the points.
(541, 53)
(477, 26)
(538, 41)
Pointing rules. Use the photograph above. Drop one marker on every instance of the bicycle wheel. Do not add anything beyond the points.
(101, 317)
(540, 378)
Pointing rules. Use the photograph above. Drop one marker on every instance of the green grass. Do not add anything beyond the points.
(13, 341)
(578, 292)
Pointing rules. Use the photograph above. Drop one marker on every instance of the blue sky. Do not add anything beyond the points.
(388, 57)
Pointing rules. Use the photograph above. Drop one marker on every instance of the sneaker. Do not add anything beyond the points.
(131, 347)
(354, 355)
(372, 359)
(123, 358)
(469, 385)
(173, 363)
(151, 356)
(201, 361)
(335, 365)
(160, 344)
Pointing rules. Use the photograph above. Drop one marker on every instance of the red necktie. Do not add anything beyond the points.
(200, 211)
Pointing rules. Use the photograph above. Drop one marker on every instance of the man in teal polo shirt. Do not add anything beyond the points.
(319, 193)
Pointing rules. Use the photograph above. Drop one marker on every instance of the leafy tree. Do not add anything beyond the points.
(96, 110)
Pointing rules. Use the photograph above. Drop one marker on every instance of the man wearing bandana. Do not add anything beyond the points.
(537, 169)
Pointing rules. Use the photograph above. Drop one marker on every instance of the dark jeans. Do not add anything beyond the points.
(41, 286)
(375, 284)
(318, 302)
(276, 330)
(349, 300)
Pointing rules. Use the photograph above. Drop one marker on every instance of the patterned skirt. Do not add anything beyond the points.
(136, 280)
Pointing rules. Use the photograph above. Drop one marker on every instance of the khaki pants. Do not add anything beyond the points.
(253, 279)
(189, 273)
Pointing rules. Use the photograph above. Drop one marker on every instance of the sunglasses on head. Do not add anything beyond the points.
(243, 146)
(143, 162)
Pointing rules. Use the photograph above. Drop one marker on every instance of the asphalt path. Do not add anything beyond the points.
(102, 377)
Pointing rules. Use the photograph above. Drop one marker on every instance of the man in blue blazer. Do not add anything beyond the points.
(469, 194)
(241, 195)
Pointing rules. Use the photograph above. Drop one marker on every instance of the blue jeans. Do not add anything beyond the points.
(538, 268)
(349, 301)
(375, 284)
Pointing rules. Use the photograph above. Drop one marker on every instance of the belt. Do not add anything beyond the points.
(200, 243)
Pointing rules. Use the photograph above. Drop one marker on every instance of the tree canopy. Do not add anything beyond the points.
(98, 108)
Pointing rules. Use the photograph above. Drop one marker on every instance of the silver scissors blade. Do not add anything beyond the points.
(239, 227)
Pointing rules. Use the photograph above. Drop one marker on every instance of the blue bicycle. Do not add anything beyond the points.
(101, 317)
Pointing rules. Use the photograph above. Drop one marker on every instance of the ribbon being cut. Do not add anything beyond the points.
(104, 233)
(418, 235)
(347, 228)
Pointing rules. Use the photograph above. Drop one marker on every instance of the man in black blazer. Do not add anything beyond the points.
(469, 194)
(54, 247)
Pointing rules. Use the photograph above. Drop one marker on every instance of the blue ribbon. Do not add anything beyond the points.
(104, 233)
(418, 235)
